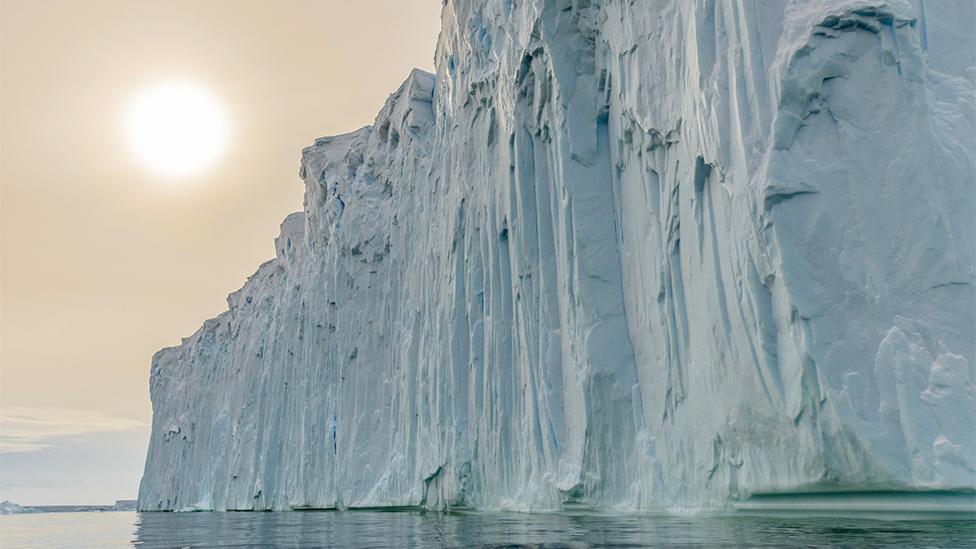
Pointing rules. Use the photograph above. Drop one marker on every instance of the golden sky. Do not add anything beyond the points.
(103, 262)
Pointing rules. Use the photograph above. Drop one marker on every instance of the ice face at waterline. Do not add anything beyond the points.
(622, 254)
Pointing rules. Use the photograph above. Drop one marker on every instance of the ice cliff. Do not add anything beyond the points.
(629, 254)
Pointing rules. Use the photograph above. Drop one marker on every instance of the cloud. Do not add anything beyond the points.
(27, 429)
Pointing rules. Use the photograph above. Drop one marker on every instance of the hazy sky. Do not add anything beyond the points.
(102, 262)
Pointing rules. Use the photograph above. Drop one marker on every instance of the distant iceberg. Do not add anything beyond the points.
(10, 508)
(628, 255)
(125, 505)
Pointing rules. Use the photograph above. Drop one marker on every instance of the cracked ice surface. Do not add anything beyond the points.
(624, 254)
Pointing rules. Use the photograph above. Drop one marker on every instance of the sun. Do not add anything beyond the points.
(177, 129)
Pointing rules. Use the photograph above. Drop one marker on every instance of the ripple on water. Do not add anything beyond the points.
(466, 529)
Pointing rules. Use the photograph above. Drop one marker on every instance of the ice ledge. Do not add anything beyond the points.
(868, 504)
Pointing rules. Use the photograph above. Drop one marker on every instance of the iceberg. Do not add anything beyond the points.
(625, 255)
(10, 508)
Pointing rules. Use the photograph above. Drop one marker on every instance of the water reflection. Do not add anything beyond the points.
(463, 529)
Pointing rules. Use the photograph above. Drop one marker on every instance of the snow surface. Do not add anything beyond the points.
(631, 255)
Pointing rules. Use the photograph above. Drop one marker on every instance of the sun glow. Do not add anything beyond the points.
(177, 129)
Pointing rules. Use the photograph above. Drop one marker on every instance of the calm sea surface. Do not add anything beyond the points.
(419, 529)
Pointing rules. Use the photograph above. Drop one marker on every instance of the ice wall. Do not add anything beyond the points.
(622, 254)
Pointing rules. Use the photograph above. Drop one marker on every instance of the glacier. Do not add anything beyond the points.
(615, 254)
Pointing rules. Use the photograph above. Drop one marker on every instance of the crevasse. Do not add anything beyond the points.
(620, 254)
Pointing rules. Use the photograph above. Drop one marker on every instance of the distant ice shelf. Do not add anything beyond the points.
(625, 255)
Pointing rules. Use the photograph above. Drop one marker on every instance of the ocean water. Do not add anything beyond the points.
(468, 529)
